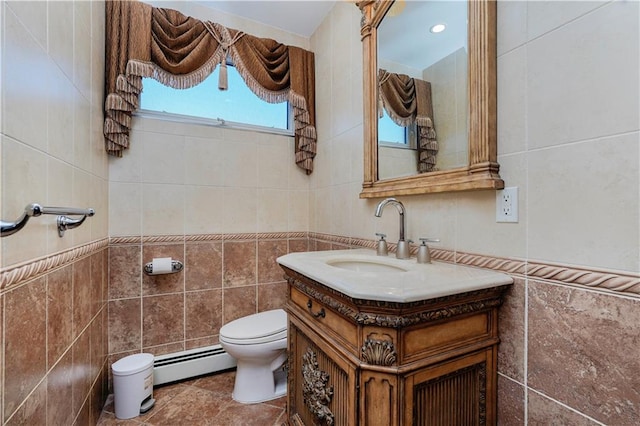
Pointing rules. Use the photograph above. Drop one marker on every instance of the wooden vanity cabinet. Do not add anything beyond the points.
(366, 362)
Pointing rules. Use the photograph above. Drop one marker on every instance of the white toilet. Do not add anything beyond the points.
(258, 342)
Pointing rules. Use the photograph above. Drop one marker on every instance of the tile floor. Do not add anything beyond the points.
(201, 401)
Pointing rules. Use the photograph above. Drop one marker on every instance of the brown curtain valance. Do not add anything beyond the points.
(181, 52)
(407, 101)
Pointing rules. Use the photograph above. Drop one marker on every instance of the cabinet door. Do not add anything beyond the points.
(322, 384)
(458, 392)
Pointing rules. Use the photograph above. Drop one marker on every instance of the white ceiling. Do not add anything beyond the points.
(301, 17)
(406, 39)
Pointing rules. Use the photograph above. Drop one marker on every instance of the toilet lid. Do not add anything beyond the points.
(257, 326)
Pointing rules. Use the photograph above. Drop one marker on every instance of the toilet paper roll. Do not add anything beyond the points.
(161, 265)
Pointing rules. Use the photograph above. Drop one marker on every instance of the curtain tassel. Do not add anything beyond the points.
(222, 79)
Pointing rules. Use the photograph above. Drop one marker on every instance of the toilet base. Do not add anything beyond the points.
(280, 377)
(261, 389)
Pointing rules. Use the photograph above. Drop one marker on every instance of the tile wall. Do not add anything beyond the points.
(181, 179)
(55, 345)
(53, 312)
(448, 78)
(225, 277)
(225, 202)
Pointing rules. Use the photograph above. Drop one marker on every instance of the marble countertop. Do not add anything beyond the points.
(395, 280)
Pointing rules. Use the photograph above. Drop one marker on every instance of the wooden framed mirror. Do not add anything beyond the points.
(480, 169)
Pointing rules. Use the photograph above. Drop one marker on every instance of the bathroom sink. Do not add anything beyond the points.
(362, 274)
(366, 265)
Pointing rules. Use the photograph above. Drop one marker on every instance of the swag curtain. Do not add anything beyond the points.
(180, 52)
(408, 100)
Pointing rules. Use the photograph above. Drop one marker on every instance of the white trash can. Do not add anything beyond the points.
(133, 385)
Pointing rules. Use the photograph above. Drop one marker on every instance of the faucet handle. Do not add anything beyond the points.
(429, 240)
(424, 256)
(381, 249)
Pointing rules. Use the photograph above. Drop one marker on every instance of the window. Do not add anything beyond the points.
(392, 135)
(238, 106)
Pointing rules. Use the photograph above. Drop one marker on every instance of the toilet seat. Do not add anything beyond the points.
(264, 327)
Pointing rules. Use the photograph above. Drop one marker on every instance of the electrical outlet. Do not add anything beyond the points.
(507, 205)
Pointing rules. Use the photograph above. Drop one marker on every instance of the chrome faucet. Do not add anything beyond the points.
(402, 251)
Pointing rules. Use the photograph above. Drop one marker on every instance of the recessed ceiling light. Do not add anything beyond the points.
(437, 28)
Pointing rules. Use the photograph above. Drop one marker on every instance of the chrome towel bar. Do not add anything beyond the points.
(35, 210)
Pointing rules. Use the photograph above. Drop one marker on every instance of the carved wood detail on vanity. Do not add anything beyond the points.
(388, 363)
(443, 391)
(315, 391)
(378, 352)
(435, 309)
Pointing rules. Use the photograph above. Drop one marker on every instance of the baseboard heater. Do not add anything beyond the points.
(194, 362)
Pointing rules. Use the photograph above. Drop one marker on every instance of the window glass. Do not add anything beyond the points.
(238, 104)
(389, 132)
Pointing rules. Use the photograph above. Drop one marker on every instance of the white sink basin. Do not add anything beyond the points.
(371, 266)
(362, 274)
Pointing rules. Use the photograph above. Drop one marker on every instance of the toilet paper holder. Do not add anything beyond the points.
(176, 266)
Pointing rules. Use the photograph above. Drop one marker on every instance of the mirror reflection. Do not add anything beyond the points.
(422, 88)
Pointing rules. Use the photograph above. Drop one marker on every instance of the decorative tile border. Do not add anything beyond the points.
(440, 254)
(14, 275)
(509, 266)
(206, 237)
(605, 280)
(124, 240)
(617, 282)
(628, 284)
(360, 242)
(163, 239)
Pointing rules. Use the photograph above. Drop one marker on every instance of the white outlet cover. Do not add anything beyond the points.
(507, 205)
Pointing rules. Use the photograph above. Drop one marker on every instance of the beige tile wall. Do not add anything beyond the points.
(178, 179)
(52, 90)
(396, 162)
(448, 78)
(568, 133)
(53, 311)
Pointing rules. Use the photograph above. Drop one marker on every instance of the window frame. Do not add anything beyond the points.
(223, 124)
(218, 122)
(410, 138)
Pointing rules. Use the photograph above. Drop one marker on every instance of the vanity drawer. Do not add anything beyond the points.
(316, 314)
